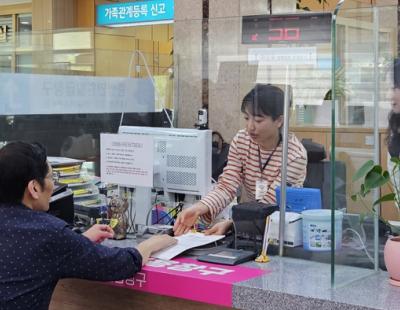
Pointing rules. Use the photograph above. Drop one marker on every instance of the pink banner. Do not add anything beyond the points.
(190, 279)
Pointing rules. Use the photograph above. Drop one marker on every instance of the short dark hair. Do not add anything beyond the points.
(265, 99)
(21, 162)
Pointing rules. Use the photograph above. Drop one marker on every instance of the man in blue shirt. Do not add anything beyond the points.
(37, 249)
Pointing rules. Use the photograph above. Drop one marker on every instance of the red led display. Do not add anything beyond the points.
(281, 29)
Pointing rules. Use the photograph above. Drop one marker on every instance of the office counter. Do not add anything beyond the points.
(284, 283)
(73, 294)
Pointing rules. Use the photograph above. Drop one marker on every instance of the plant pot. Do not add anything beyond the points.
(392, 256)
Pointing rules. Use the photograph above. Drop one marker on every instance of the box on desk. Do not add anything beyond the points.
(293, 229)
(299, 199)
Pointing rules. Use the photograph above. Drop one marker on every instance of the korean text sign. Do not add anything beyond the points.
(135, 12)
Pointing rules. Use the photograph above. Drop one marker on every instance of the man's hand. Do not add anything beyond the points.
(97, 233)
(220, 228)
(154, 244)
(188, 217)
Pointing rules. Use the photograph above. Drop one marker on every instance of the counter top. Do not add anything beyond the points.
(303, 284)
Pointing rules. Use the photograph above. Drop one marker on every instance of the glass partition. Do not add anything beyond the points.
(234, 67)
(212, 64)
(366, 49)
(220, 72)
(86, 63)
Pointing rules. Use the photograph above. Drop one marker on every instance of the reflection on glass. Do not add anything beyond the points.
(24, 30)
(5, 63)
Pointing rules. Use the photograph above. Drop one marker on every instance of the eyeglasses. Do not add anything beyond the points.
(50, 177)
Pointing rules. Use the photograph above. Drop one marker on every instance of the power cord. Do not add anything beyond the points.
(138, 52)
(363, 247)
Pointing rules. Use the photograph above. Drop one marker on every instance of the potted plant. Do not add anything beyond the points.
(375, 177)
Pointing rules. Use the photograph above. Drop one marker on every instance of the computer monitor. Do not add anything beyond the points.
(182, 163)
(182, 158)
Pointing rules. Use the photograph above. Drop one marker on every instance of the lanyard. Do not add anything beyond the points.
(270, 156)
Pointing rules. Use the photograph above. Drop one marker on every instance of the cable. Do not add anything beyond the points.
(234, 235)
(151, 79)
(363, 247)
(148, 214)
(176, 209)
(132, 218)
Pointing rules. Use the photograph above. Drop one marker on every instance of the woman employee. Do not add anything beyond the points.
(254, 161)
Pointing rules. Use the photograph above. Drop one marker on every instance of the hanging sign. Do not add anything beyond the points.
(135, 13)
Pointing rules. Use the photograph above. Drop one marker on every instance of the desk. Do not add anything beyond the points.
(292, 284)
(73, 294)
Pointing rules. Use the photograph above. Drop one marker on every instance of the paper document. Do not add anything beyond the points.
(63, 161)
(186, 242)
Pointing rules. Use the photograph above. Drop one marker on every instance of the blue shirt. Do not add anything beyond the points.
(37, 249)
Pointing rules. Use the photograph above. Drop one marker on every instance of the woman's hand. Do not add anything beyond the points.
(154, 244)
(188, 217)
(98, 233)
(220, 228)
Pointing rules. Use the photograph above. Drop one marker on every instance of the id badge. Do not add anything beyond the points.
(261, 189)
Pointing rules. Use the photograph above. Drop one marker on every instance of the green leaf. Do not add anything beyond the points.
(395, 160)
(354, 197)
(377, 169)
(386, 175)
(374, 180)
(364, 191)
(363, 170)
(387, 197)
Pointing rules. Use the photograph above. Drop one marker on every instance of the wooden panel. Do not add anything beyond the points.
(63, 14)
(160, 33)
(82, 295)
(318, 137)
(311, 5)
(147, 48)
(170, 31)
(16, 8)
(354, 140)
(85, 13)
(112, 63)
(42, 15)
(165, 61)
(143, 32)
(116, 43)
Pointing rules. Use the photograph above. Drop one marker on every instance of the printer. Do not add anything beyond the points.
(62, 203)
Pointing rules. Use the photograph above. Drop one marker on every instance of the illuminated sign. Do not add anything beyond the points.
(287, 29)
(135, 13)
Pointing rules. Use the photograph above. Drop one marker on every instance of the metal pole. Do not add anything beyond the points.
(284, 163)
(376, 192)
(333, 122)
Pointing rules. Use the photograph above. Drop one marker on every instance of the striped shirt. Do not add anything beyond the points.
(243, 168)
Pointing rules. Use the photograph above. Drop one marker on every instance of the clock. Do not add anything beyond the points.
(307, 28)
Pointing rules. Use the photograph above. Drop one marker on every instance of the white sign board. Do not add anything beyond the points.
(127, 159)
(63, 94)
(282, 56)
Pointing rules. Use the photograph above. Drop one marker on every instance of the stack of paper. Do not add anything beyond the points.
(186, 242)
